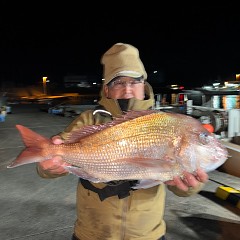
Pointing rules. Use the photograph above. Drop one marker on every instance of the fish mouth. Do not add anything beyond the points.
(220, 156)
(213, 155)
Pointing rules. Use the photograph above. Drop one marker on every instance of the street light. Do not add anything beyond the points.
(45, 85)
(237, 77)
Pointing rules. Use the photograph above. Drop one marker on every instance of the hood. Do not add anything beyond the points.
(113, 106)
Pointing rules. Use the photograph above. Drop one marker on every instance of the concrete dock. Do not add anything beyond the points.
(32, 208)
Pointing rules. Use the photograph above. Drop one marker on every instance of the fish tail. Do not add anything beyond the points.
(34, 143)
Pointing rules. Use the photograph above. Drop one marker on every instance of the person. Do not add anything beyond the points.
(115, 210)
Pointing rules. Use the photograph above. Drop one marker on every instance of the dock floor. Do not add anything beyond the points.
(33, 208)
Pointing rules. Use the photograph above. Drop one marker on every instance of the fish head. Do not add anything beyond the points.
(213, 152)
(202, 149)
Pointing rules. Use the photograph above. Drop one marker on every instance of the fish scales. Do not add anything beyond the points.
(139, 145)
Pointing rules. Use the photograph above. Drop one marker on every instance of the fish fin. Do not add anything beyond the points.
(33, 142)
(80, 172)
(146, 162)
(77, 135)
(26, 157)
(85, 131)
(131, 114)
(165, 164)
(31, 138)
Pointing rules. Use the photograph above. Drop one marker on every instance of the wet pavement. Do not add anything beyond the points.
(32, 208)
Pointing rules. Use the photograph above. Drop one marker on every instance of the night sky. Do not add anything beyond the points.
(187, 45)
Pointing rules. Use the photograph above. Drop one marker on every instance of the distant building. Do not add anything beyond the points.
(80, 83)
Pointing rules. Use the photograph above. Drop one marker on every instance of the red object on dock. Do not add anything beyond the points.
(209, 127)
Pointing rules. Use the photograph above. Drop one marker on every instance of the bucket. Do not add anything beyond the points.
(231, 101)
(8, 109)
(2, 118)
(4, 113)
(216, 101)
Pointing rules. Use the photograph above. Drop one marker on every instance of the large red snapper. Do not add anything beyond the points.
(140, 145)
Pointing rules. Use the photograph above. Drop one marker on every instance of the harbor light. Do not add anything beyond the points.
(45, 85)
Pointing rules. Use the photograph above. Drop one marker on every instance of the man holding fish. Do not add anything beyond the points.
(120, 209)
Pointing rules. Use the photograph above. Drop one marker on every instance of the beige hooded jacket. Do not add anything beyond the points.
(140, 215)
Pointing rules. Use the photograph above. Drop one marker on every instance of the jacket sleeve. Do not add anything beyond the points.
(191, 190)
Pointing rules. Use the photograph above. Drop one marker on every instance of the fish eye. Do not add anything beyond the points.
(204, 138)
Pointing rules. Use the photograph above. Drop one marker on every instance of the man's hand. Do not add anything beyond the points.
(189, 180)
(56, 164)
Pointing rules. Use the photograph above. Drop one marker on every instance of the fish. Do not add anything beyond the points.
(149, 145)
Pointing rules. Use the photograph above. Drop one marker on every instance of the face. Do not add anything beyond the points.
(125, 88)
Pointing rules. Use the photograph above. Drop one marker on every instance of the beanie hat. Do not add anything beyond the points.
(122, 60)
